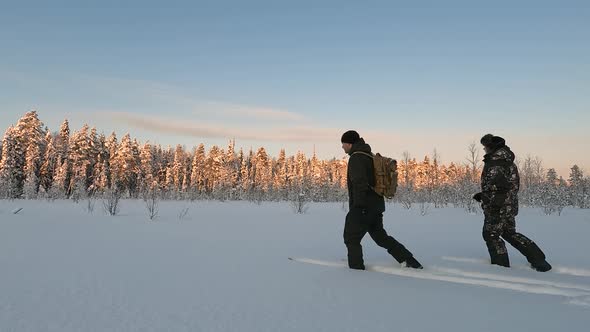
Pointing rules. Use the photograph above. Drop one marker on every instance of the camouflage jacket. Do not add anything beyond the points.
(500, 181)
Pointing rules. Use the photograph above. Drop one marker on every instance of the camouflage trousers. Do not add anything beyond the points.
(501, 224)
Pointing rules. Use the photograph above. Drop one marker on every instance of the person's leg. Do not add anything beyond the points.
(354, 231)
(492, 230)
(394, 248)
(526, 246)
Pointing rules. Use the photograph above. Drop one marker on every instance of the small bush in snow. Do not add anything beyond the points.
(151, 200)
(300, 204)
(111, 202)
(183, 214)
(90, 202)
(424, 207)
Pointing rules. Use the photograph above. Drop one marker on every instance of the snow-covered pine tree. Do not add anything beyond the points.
(95, 152)
(32, 170)
(147, 169)
(177, 171)
(62, 142)
(212, 169)
(102, 169)
(262, 168)
(197, 172)
(435, 189)
(302, 183)
(133, 187)
(532, 175)
(245, 176)
(281, 179)
(586, 192)
(165, 159)
(30, 135)
(60, 187)
(562, 199)
(578, 187)
(124, 167)
(12, 165)
(342, 173)
(338, 180)
(315, 178)
(231, 170)
(80, 159)
(549, 193)
(61, 181)
(186, 180)
(49, 164)
(237, 187)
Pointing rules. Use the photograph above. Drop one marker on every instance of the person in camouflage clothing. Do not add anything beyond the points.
(366, 207)
(500, 183)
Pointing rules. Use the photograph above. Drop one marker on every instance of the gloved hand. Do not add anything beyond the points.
(477, 197)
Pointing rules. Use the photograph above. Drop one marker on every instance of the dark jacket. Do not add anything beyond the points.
(500, 181)
(360, 180)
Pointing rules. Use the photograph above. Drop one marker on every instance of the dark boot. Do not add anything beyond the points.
(500, 259)
(541, 266)
(496, 248)
(533, 253)
(356, 267)
(354, 231)
(413, 263)
(526, 246)
(355, 257)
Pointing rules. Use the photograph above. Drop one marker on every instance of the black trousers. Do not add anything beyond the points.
(355, 228)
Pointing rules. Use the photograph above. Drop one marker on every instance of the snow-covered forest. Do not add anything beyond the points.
(38, 163)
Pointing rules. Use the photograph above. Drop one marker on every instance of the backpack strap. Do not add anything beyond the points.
(372, 157)
(365, 153)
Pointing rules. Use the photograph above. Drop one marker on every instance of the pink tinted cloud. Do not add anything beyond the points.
(249, 112)
(213, 130)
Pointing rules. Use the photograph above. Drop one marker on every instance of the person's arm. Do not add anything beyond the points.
(359, 181)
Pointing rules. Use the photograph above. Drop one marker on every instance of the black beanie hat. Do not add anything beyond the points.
(487, 140)
(492, 142)
(350, 136)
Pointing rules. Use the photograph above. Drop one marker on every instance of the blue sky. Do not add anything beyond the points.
(409, 76)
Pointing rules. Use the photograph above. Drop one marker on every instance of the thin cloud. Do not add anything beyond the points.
(212, 130)
(174, 97)
(260, 113)
(168, 126)
(133, 94)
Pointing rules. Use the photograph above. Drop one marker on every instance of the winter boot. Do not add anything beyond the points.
(533, 253)
(413, 263)
(500, 259)
(541, 266)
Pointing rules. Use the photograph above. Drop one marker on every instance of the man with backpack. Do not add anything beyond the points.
(499, 200)
(366, 206)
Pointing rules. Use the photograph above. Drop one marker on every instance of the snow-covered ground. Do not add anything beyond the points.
(224, 267)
